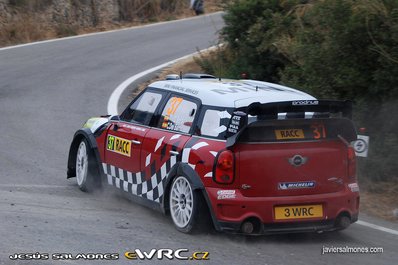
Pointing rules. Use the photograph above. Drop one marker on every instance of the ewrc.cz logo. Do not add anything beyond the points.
(168, 253)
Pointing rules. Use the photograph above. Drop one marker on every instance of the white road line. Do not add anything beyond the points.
(115, 96)
(106, 32)
(377, 227)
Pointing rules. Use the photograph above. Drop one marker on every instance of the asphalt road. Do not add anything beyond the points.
(47, 91)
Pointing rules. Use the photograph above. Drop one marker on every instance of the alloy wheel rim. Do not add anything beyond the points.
(181, 202)
(81, 163)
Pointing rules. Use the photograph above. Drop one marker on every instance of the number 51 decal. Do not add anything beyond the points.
(319, 131)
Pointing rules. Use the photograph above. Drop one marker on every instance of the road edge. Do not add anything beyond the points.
(106, 32)
(113, 102)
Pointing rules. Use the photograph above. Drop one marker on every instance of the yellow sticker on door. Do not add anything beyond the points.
(118, 145)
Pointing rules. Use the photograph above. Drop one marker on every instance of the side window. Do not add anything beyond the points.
(178, 115)
(214, 123)
(141, 111)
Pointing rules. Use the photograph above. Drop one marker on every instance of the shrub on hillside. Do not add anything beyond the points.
(342, 49)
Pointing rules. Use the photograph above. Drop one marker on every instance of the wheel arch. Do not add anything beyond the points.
(197, 185)
(83, 133)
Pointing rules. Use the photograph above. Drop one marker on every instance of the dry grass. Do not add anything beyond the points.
(24, 30)
(380, 199)
(184, 66)
(30, 19)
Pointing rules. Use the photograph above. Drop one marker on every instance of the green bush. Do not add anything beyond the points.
(340, 49)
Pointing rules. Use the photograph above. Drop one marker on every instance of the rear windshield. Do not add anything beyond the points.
(221, 123)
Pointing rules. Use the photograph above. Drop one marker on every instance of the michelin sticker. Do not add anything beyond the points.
(226, 194)
(296, 185)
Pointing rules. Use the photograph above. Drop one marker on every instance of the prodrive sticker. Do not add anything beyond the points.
(118, 145)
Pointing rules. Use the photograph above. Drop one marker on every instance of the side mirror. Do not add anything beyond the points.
(115, 118)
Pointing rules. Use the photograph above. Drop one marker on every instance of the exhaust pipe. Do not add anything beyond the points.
(247, 227)
(343, 222)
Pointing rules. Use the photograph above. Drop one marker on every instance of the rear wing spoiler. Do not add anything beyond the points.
(325, 114)
(296, 106)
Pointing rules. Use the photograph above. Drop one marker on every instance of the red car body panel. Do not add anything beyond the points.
(157, 148)
(263, 166)
(131, 162)
(242, 208)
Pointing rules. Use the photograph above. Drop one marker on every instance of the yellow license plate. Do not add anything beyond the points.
(288, 134)
(298, 212)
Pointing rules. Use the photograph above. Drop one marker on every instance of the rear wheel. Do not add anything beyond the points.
(187, 207)
(86, 169)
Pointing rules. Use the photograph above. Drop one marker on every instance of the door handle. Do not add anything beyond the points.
(174, 153)
(136, 142)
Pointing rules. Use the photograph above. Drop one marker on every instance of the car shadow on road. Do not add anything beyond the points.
(292, 238)
(124, 202)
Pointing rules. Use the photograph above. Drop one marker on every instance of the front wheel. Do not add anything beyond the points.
(187, 208)
(85, 167)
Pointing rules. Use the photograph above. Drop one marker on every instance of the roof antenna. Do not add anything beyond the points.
(256, 88)
(181, 75)
(220, 65)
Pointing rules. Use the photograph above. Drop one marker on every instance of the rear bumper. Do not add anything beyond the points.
(233, 211)
(287, 228)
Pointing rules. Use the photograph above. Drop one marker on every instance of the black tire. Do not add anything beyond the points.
(86, 169)
(196, 220)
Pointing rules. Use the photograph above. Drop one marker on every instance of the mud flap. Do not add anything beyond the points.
(89, 136)
(186, 170)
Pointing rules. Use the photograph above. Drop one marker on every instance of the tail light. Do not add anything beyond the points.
(352, 164)
(224, 168)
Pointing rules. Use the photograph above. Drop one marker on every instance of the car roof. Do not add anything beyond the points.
(232, 93)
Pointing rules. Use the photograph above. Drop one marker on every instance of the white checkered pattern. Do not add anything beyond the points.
(135, 183)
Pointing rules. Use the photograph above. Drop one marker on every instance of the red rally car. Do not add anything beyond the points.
(247, 156)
